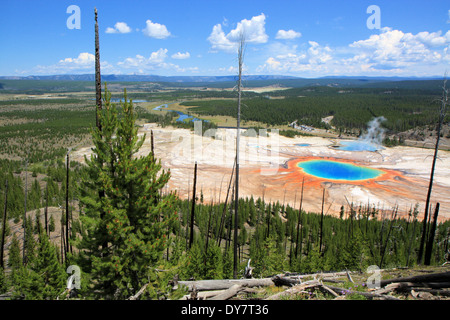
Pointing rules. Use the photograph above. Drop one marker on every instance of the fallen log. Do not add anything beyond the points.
(389, 288)
(368, 295)
(203, 295)
(325, 289)
(229, 293)
(332, 280)
(434, 277)
(136, 296)
(435, 292)
(327, 275)
(285, 281)
(295, 289)
(431, 285)
(210, 285)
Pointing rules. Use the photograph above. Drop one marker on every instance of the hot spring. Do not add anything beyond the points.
(369, 141)
(334, 170)
(358, 146)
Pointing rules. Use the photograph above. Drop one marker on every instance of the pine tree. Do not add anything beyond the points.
(27, 284)
(51, 273)
(227, 262)
(268, 259)
(354, 255)
(313, 262)
(15, 259)
(214, 265)
(120, 246)
(194, 267)
(30, 242)
(51, 224)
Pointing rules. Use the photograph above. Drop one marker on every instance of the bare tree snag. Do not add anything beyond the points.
(4, 225)
(442, 112)
(299, 239)
(429, 247)
(67, 205)
(191, 237)
(236, 201)
(46, 210)
(222, 220)
(98, 86)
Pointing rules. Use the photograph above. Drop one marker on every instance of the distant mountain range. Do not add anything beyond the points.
(85, 82)
(151, 78)
(199, 79)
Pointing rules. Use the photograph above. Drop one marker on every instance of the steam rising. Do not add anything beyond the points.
(375, 132)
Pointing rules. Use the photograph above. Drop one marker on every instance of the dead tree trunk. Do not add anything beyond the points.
(298, 223)
(98, 102)
(63, 245)
(153, 150)
(321, 223)
(191, 237)
(98, 85)
(236, 200)
(442, 112)
(4, 225)
(46, 209)
(429, 248)
(67, 205)
(24, 257)
(207, 233)
(394, 215)
(222, 220)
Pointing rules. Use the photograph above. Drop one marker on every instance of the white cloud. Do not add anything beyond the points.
(83, 59)
(389, 52)
(286, 35)
(219, 40)
(83, 63)
(156, 61)
(181, 56)
(433, 39)
(291, 61)
(119, 27)
(395, 49)
(318, 54)
(156, 58)
(253, 30)
(155, 30)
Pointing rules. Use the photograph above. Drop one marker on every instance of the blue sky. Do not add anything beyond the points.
(198, 37)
